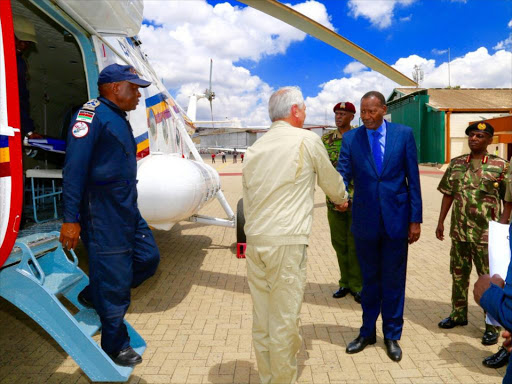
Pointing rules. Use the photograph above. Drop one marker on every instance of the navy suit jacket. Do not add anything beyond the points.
(394, 196)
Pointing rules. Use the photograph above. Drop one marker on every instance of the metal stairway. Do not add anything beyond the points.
(37, 274)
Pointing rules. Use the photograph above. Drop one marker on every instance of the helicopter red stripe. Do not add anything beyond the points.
(5, 169)
(143, 153)
(13, 120)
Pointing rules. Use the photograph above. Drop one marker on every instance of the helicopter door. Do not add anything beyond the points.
(10, 143)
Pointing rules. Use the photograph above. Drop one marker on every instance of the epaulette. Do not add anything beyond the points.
(326, 135)
(91, 105)
(496, 160)
(495, 157)
(459, 159)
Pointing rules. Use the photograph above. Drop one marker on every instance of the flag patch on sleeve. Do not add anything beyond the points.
(86, 116)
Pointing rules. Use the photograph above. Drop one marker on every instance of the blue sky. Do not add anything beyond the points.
(429, 24)
(400, 32)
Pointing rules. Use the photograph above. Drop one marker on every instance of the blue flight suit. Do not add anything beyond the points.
(498, 303)
(100, 192)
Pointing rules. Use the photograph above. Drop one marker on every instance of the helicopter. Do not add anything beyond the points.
(75, 41)
(89, 37)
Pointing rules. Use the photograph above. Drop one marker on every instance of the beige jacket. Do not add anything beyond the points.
(278, 179)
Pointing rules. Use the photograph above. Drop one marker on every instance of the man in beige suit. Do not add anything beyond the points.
(279, 176)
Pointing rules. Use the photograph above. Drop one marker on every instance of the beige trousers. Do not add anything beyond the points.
(277, 279)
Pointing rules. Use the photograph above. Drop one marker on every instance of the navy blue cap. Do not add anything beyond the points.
(115, 73)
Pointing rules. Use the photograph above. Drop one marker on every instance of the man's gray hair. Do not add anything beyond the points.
(282, 100)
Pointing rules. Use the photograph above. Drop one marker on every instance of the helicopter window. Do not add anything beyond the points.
(152, 125)
(178, 139)
(166, 128)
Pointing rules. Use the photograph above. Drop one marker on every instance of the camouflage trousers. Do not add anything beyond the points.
(462, 256)
(343, 243)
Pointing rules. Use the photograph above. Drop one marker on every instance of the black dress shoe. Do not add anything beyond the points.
(342, 292)
(498, 360)
(449, 323)
(357, 297)
(126, 358)
(360, 343)
(393, 349)
(490, 338)
(84, 300)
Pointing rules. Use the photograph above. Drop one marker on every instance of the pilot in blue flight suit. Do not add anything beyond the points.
(100, 205)
(494, 295)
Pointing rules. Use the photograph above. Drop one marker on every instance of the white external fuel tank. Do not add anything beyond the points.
(172, 189)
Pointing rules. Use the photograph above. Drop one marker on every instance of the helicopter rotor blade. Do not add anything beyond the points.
(211, 112)
(211, 67)
(311, 27)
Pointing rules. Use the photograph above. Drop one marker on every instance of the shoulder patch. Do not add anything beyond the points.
(497, 158)
(85, 115)
(80, 129)
(459, 159)
(91, 105)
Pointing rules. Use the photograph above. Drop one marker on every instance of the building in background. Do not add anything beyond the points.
(440, 116)
(502, 144)
(240, 137)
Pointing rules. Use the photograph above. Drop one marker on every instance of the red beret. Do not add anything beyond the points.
(345, 106)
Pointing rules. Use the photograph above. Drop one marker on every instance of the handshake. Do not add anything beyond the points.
(342, 207)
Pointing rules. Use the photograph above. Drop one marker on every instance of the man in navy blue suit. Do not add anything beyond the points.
(381, 159)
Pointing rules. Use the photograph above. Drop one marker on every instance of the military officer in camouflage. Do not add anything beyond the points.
(475, 184)
(340, 222)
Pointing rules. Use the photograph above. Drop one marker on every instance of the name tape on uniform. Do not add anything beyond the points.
(84, 115)
(80, 129)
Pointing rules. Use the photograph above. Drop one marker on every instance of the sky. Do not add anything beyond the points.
(254, 54)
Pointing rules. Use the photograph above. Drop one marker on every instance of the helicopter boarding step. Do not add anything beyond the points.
(35, 277)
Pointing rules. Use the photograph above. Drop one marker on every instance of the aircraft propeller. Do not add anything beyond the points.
(210, 95)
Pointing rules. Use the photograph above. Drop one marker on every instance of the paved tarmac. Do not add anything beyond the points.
(196, 314)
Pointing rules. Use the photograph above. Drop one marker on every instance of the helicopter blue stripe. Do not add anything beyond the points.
(141, 138)
(156, 99)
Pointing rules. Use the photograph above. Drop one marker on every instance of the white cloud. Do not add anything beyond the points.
(379, 12)
(469, 71)
(192, 32)
(504, 44)
(406, 18)
(354, 67)
(510, 23)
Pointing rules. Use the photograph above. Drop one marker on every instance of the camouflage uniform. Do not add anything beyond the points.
(339, 223)
(477, 188)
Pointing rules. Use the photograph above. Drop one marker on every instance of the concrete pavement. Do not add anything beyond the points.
(196, 314)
